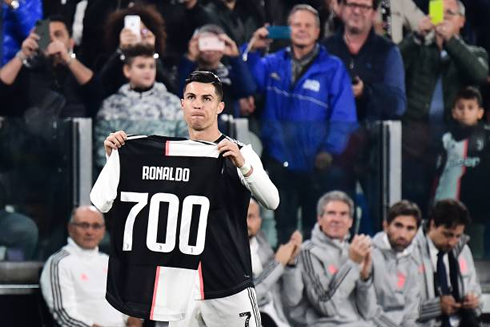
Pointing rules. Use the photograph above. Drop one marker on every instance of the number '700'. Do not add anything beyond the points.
(141, 200)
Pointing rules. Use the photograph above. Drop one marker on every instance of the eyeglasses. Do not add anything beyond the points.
(86, 226)
(362, 8)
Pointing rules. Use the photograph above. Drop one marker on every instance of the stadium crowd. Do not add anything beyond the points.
(314, 79)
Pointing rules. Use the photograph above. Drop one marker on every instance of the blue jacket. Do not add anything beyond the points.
(317, 113)
(379, 65)
(17, 25)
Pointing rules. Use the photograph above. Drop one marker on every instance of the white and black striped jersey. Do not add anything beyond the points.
(224, 267)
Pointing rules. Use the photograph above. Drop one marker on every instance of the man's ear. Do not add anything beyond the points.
(221, 107)
(127, 71)
(481, 112)
(385, 225)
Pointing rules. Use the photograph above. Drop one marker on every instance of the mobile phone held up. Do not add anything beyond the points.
(133, 23)
(436, 11)
(210, 42)
(42, 29)
(278, 32)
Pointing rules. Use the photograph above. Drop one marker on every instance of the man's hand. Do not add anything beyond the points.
(127, 38)
(425, 26)
(114, 141)
(470, 301)
(284, 253)
(259, 39)
(189, 4)
(231, 49)
(359, 248)
(367, 265)
(358, 88)
(30, 45)
(446, 30)
(296, 239)
(247, 105)
(449, 305)
(134, 322)
(230, 149)
(193, 51)
(323, 160)
(59, 52)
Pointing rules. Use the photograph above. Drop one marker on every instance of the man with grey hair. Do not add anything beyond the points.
(73, 281)
(332, 282)
(308, 113)
(438, 63)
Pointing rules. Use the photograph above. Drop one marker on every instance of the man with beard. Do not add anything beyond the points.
(449, 287)
(394, 268)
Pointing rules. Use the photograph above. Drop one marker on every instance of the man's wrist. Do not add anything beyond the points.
(245, 168)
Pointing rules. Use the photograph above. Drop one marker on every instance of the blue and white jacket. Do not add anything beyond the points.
(315, 114)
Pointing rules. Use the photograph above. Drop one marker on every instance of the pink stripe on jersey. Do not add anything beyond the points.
(155, 291)
(201, 283)
(167, 146)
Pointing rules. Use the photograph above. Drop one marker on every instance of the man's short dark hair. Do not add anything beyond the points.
(469, 93)
(203, 76)
(375, 3)
(60, 19)
(404, 208)
(449, 213)
(137, 50)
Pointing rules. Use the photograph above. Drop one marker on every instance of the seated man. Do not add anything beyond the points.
(73, 281)
(48, 82)
(450, 291)
(332, 285)
(268, 268)
(142, 106)
(394, 268)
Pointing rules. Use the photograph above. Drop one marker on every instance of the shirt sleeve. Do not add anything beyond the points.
(259, 182)
(104, 191)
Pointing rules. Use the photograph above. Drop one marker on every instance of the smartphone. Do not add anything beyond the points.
(42, 29)
(278, 32)
(210, 42)
(133, 23)
(436, 11)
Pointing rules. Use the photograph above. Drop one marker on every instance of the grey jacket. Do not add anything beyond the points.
(268, 284)
(430, 308)
(325, 289)
(396, 285)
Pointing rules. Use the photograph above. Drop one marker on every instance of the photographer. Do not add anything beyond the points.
(45, 78)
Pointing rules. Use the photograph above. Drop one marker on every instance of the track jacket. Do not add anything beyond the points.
(73, 283)
(430, 308)
(396, 285)
(325, 289)
(314, 114)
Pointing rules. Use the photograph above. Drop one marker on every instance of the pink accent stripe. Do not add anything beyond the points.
(167, 146)
(201, 283)
(463, 170)
(155, 289)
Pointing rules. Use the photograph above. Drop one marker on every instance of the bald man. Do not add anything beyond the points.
(73, 281)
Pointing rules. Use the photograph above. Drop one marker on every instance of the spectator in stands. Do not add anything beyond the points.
(141, 106)
(395, 17)
(18, 19)
(224, 60)
(463, 166)
(119, 38)
(73, 281)
(374, 63)
(18, 234)
(48, 82)
(332, 284)
(395, 275)
(268, 268)
(239, 19)
(450, 291)
(308, 114)
(434, 72)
